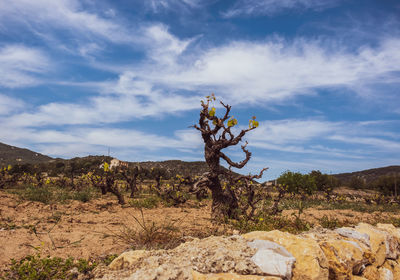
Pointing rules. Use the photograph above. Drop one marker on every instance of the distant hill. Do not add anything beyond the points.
(370, 174)
(14, 155)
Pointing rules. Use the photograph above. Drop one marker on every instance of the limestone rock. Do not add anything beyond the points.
(394, 232)
(311, 263)
(352, 233)
(371, 273)
(383, 244)
(385, 274)
(127, 259)
(230, 276)
(345, 257)
(394, 267)
(272, 258)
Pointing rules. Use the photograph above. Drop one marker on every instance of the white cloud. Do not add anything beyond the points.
(272, 7)
(275, 70)
(82, 141)
(316, 137)
(20, 66)
(67, 14)
(163, 47)
(161, 5)
(9, 105)
(106, 109)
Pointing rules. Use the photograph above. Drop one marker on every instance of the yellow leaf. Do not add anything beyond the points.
(232, 122)
(106, 167)
(212, 112)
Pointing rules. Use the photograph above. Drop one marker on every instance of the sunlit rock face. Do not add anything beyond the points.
(354, 253)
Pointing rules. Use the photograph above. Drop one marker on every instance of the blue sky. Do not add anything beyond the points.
(322, 77)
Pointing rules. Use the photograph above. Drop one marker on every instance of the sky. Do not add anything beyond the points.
(79, 77)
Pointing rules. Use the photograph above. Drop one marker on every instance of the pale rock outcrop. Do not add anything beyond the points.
(311, 263)
(364, 252)
(230, 276)
(385, 274)
(383, 244)
(353, 234)
(127, 259)
(345, 258)
(394, 267)
(272, 258)
(371, 273)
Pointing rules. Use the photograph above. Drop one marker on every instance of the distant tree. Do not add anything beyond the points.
(105, 179)
(324, 182)
(131, 175)
(5, 177)
(387, 185)
(298, 183)
(157, 174)
(217, 135)
(357, 182)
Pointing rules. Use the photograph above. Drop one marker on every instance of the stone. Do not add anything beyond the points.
(230, 276)
(394, 232)
(311, 263)
(351, 233)
(394, 267)
(345, 258)
(383, 245)
(371, 272)
(272, 258)
(127, 259)
(385, 274)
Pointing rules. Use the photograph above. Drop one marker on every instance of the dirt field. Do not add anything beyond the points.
(90, 230)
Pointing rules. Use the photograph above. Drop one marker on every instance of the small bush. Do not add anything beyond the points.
(83, 195)
(271, 222)
(34, 267)
(150, 235)
(330, 223)
(109, 258)
(148, 202)
(40, 194)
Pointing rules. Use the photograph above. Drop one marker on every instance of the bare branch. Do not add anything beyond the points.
(240, 164)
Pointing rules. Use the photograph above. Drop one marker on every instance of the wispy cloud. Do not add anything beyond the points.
(318, 137)
(9, 105)
(89, 139)
(158, 6)
(45, 15)
(21, 66)
(276, 69)
(272, 7)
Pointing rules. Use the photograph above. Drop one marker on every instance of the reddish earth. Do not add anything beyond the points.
(90, 230)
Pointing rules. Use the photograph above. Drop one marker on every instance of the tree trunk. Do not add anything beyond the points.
(223, 204)
(118, 194)
(133, 187)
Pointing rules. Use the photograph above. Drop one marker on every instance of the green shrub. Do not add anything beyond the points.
(109, 258)
(34, 267)
(271, 222)
(40, 194)
(148, 202)
(83, 195)
(330, 223)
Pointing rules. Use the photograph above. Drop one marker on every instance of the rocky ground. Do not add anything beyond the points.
(363, 252)
(96, 228)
